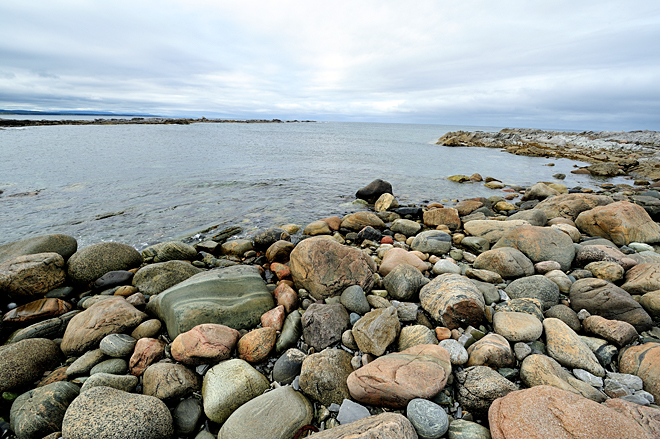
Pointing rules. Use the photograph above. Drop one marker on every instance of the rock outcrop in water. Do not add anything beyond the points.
(402, 321)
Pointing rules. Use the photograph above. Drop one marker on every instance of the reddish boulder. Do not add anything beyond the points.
(445, 216)
(146, 352)
(205, 343)
(621, 222)
(255, 346)
(643, 361)
(37, 310)
(32, 276)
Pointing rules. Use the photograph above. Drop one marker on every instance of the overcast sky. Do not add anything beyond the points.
(546, 64)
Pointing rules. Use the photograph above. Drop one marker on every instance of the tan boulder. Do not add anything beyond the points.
(651, 303)
(493, 350)
(445, 216)
(540, 244)
(490, 229)
(383, 426)
(548, 412)
(386, 202)
(205, 343)
(395, 379)
(621, 222)
(397, 256)
(615, 331)
(571, 205)
(375, 331)
(32, 276)
(642, 279)
(565, 346)
(359, 220)
(453, 300)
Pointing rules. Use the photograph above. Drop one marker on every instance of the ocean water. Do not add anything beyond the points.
(142, 184)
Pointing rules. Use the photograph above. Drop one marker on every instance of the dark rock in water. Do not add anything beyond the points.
(413, 212)
(40, 411)
(103, 412)
(64, 245)
(373, 190)
(265, 238)
(323, 325)
(23, 362)
(226, 233)
(113, 279)
(234, 296)
(92, 262)
(169, 251)
(369, 233)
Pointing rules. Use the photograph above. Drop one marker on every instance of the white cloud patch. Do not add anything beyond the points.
(557, 64)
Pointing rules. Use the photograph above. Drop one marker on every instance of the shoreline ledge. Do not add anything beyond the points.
(12, 123)
(395, 322)
(634, 152)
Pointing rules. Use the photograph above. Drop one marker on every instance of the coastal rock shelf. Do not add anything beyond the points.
(611, 152)
(491, 318)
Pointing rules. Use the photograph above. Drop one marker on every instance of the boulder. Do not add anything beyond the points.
(326, 268)
(643, 361)
(374, 190)
(571, 205)
(280, 250)
(359, 220)
(493, 350)
(545, 411)
(446, 216)
(107, 413)
(479, 386)
(169, 251)
(453, 300)
(263, 416)
(322, 325)
(535, 287)
(382, 426)
(31, 276)
(539, 191)
(168, 381)
(642, 278)
(615, 331)
(508, 262)
(540, 244)
(648, 418)
(204, 344)
(156, 278)
(90, 263)
(434, 242)
(517, 326)
(588, 253)
(375, 331)
(490, 229)
(395, 379)
(605, 299)
(565, 346)
(651, 303)
(404, 281)
(234, 296)
(64, 245)
(621, 222)
(541, 370)
(323, 376)
(398, 256)
(112, 316)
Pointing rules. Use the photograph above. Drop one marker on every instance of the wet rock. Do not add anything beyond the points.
(326, 268)
(508, 262)
(87, 329)
(113, 279)
(535, 287)
(186, 416)
(85, 363)
(453, 300)
(479, 386)
(25, 361)
(234, 296)
(395, 379)
(375, 331)
(605, 299)
(101, 412)
(610, 271)
(229, 385)
(406, 227)
(263, 416)
(374, 190)
(156, 278)
(621, 222)
(265, 238)
(322, 325)
(90, 263)
(323, 376)
(236, 247)
(274, 318)
(493, 350)
(288, 366)
(565, 346)
(204, 344)
(169, 381)
(291, 332)
(40, 411)
(169, 251)
(117, 345)
(37, 310)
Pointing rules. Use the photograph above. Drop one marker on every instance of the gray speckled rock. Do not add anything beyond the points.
(40, 411)
(350, 411)
(354, 299)
(457, 353)
(127, 383)
(85, 362)
(156, 278)
(434, 242)
(263, 417)
(404, 281)
(103, 413)
(428, 418)
(229, 385)
(169, 251)
(479, 386)
(90, 263)
(234, 296)
(117, 345)
(535, 287)
(25, 361)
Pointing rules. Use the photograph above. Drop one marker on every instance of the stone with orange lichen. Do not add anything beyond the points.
(546, 412)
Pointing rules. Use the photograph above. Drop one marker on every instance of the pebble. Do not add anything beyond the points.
(117, 345)
(429, 419)
(457, 353)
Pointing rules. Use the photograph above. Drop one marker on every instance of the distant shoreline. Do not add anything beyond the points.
(9, 123)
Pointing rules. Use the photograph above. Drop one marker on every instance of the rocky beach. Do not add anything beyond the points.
(532, 313)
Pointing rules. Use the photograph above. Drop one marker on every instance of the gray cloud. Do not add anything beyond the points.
(588, 65)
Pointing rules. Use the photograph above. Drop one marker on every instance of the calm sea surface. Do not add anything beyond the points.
(170, 181)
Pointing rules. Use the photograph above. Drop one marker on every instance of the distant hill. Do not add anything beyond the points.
(72, 113)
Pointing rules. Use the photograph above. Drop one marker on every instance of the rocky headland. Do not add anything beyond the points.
(611, 152)
(529, 314)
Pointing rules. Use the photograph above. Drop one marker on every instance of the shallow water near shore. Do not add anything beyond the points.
(142, 184)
